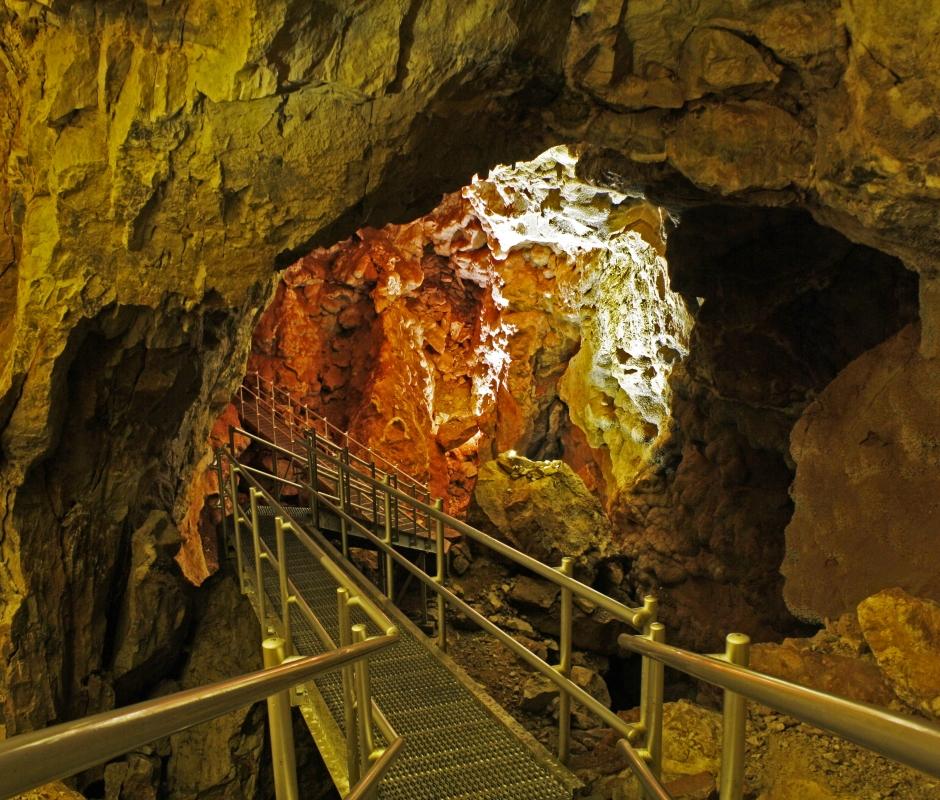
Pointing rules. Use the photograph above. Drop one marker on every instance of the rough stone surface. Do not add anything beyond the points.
(865, 510)
(903, 633)
(154, 616)
(542, 509)
(220, 759)
(51, 791)
(159, 159)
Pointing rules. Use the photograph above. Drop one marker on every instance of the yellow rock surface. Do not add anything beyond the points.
(903, 632)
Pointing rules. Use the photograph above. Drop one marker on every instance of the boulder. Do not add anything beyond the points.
(903, 632)
(543, 509)
(865, 499)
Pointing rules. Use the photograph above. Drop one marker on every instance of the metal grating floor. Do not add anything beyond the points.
(455, 749)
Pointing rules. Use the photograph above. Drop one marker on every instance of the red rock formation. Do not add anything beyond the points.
(396, 335)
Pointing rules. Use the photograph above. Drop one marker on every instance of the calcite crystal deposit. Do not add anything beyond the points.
(160, 160)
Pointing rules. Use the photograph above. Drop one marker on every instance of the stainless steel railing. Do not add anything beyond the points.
(904, 739)
(267, 397)
(361, 713)
(33, 759)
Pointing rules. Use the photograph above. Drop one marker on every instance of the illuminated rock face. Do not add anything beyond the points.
(160, 159)
(464, 333)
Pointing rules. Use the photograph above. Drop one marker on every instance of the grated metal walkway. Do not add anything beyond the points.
(455, 748)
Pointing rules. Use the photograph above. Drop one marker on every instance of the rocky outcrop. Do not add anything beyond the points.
(865, 514)
(153, 621)
(543, 509)
(903, 633)
(220, 759)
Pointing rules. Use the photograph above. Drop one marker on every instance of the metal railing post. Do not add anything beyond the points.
(654, 704)
(279, 726)
(397, 525)
(731, 786)
(341, 477)
(236, 524)
(389, 561)
(439, 577)
(312, 468)
(256, 544)
(363, 702)
(650, 606)
(220, 477)
(349, 688)
(375, 501)
(564, 663)
(286, 598)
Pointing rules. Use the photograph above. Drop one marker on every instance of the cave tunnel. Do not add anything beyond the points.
(652, 289)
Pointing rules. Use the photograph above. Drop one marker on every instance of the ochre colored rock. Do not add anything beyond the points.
(865, 507)
(903, 632)
(51, 791)
(798, 662)
(543, 509)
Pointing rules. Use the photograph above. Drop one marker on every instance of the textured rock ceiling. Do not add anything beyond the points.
(160, 158)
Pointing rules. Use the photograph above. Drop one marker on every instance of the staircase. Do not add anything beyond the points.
(290, 425)
(459, 745)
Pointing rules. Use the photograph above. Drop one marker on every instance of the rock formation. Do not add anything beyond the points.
(161, 159)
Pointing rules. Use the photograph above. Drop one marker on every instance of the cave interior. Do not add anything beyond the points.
(650, 288)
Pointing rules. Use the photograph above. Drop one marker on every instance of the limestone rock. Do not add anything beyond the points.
(538, 692)
(533, 592)
(798, 662)
(801, 789)
(904, 635)
(542, 509)
(865, 463)
(137, 776)
(155, 611)
(220, 759)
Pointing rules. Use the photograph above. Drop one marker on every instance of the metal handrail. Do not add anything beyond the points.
(361, 709)
(909, 740)
(309, 413)
(33, 759)
(332, 475)
(635, 617)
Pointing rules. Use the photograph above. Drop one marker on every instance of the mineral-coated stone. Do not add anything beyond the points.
(865, 509)
(903, 633)
(542, 509)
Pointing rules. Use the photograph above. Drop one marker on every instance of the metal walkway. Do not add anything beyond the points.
(455, 746)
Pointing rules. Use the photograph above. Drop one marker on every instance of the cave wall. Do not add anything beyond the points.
(782, 306)
(160, 158)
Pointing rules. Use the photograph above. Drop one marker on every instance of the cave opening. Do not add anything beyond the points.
(537, 329)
